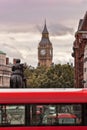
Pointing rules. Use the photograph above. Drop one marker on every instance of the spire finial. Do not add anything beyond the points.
(45, 21)
(45, 28)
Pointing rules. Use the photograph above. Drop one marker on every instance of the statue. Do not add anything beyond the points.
(17, 79)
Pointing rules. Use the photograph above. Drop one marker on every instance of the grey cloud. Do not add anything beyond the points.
(63, 45)
(19, 16)
(28, 46)
(84, 1)
(59, 30)
(11, 51)
(8, 46)
(56, 29)
(32, 11)
(12, 38)
(39, 28)
(20, 28)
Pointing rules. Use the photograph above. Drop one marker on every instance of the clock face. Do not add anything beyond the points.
(43, 52)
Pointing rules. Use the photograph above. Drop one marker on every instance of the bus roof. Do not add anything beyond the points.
(43, 95)
(40, 89)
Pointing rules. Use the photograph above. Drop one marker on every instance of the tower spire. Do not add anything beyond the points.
(45, 22)
(45, 49)
(45, 31)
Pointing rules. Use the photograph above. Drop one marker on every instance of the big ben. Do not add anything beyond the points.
(45, 49)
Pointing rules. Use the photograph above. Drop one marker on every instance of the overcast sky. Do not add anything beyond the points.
(22, 22)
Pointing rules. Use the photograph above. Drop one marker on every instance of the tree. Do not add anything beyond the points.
(57, 76)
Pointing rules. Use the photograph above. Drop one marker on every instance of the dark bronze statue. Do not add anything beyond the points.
(17, 79)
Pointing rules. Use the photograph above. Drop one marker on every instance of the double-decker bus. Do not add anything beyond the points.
(43, 109)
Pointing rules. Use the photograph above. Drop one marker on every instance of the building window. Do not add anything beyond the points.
(12, 114)
(84, 69)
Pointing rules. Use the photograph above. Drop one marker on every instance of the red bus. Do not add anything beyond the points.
(63, 118)
(61, 109)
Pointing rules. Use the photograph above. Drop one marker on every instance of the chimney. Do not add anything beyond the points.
(7, 60)
(14, 61)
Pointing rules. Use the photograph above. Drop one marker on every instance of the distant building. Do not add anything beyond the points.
(5, 70)
(45, 49)
(80, 53)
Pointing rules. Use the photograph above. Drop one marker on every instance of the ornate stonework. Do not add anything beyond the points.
(45, 49)
(78, 52)
(5, 70)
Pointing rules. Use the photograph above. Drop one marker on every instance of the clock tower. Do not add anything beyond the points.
(45, 49)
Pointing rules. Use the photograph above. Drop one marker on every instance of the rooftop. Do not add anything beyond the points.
(83, 23)
(1, 52)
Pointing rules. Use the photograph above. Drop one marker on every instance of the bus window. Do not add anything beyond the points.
(52, 114)
(67, 118)
(41, 114)
(67, 121)
(12, 115)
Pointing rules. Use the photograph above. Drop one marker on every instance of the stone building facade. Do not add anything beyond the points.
(79, 51)
(85, 67)
(5, 70)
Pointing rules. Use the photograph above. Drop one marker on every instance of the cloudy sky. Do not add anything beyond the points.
(22, 22)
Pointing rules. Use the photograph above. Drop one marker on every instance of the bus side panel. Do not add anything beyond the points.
(46, 128)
